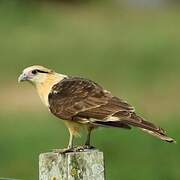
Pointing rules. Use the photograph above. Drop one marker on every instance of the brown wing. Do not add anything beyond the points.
(107, 115)
(85, 101)
(77, 96)
(107, 112)
(73, 95)
(112, 114)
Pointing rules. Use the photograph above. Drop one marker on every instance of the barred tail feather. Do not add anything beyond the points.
(137, 121)
(150, 128)
(160, 136)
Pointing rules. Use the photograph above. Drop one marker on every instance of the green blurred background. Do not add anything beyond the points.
(132, 49)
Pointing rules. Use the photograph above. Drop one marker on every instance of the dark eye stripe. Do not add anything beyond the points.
(35, 71)
(40, 71)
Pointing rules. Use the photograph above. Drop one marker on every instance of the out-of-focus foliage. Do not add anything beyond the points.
(132, 52)
(140, 3)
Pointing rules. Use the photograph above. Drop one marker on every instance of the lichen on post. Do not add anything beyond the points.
(85, 165)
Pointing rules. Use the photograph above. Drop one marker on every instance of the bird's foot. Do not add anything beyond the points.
(63, 151)
(74, 149)
(83, 148)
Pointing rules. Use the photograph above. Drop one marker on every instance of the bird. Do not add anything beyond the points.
(84, 104)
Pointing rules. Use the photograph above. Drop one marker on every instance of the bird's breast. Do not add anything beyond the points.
(45, 88)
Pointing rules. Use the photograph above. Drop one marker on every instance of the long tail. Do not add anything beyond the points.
(137, 121)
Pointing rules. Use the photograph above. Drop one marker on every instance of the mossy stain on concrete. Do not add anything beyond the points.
(76, 171)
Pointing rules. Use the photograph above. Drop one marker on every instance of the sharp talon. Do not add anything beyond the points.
(74, 149)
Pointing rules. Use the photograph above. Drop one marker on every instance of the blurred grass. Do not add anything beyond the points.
(129, 154)
(134, 53)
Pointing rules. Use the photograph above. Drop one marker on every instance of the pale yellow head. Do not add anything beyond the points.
(42, 78)
(35, 74)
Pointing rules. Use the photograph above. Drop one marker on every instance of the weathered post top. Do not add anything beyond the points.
(85, 165)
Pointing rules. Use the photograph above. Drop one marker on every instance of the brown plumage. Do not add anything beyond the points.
(84, 103)
(79, 100)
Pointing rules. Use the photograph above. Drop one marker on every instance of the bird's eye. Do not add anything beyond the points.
(34, 72)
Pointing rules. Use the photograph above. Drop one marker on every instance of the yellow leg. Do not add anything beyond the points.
(71, 139)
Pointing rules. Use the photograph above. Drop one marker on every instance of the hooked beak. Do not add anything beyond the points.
(22, 77)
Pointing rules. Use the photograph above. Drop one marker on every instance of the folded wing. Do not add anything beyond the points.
(84, 101)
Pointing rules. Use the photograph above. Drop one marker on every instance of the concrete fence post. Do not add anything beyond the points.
(86, 165)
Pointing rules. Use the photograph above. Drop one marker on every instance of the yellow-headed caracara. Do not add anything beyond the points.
(82, 103)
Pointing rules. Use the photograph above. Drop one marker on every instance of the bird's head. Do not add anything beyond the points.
(35, 74)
